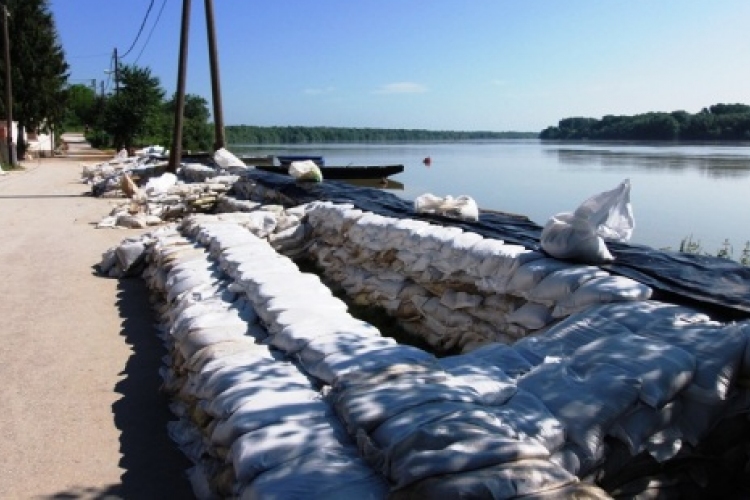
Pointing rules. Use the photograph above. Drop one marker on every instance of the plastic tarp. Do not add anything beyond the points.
(709, 280)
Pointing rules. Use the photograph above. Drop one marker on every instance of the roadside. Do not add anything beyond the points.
(82, 416)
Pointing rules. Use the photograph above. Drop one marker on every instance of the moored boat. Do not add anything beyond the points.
(344, 172)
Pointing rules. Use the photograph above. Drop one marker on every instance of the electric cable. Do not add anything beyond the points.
(140, 31)
(148, 38)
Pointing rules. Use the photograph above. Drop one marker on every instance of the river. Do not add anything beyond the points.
(678, 190)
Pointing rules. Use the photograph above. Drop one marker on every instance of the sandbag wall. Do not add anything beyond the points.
(455, 289)
(282, 394)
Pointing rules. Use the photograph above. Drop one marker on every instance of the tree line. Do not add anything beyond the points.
(250, 134)
(720, 122)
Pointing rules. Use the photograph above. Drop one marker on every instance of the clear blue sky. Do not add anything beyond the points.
(434, 64)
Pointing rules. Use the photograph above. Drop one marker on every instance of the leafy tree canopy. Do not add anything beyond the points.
(39, 70)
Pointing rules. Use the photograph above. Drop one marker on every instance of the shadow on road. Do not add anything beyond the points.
(154, 467)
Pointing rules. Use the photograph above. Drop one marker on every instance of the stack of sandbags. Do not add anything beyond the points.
(455, 288)
(255, 424)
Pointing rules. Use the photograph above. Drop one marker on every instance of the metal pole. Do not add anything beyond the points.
(213, 54)
(8, 88)
(175, 154)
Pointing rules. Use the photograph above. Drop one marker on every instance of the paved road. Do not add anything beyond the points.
(80, 412)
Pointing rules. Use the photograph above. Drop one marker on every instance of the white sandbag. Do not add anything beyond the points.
(580, 235)
(718, 351)
(267, 381)
(367, 407)
(453, 299)
(226, 159)
(320, 347)
(305, 170)
(462, 207)
(531, 420)
(565, 236)
(479, 253)
(368, 358)
(508, 480)
(587, 406)
(258, 451)
(564, 338)
(662, 369)
(129, 253)
(531, 316)
(491, 382)
(295, 337)
(199, 338)
(531, 273)
(217, 351)
(638, 425)
(328, 474)
(457, 442)
(610, 213)
(561, 283)
(160, 185)
(260, 412)
(602, 290)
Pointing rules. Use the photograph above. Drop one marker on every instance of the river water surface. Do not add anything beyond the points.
(677, 190)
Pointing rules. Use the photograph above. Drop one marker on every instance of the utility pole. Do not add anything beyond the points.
(8, 87)
(175, 154)
(213, 54)
(117, 73)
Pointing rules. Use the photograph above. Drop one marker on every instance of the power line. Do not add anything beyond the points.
(140, 31)
(148, 38)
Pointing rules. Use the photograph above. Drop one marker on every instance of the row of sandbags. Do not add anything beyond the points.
(255, 425)
(455, 288)
(243, 413)
(617, 381)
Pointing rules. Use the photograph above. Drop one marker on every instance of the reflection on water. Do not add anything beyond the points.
(715, 165)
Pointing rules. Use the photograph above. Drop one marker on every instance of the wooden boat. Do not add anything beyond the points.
(347, 172)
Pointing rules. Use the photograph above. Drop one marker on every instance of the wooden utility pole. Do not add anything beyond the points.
(117, 73)
(213, 54)
(175, 153)
(8, 87)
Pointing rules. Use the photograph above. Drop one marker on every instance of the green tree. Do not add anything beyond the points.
(135, 109)
(197, 133)
(82, 106)
(39, 70)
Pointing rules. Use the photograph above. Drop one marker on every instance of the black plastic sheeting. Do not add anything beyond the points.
(718, 285)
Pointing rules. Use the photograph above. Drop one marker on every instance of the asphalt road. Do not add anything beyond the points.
(80, 412)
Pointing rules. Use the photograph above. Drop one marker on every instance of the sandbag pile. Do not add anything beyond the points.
(255, 425)
(165, 198)
(283, 394)
(641, 386)
(454, 288)
(105, 178)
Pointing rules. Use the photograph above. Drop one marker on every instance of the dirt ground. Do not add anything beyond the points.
(81, 415)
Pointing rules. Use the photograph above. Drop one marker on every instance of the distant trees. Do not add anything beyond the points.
(249, 134)
(715, 123)
(82, 106)
(39, 70)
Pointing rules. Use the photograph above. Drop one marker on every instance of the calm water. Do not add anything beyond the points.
(677, 191)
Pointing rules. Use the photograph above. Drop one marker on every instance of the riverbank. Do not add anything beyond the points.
(82, 416)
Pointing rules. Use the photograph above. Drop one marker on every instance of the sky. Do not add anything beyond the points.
(497, 65)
